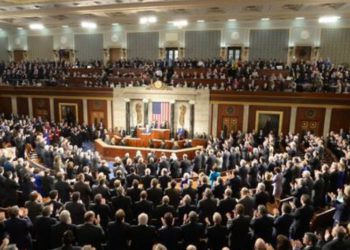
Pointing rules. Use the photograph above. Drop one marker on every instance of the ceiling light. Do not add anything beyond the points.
(328, 19)
(148, 20)
(232, 20)
(299, 18)
(265, 19)
(36, 26)
(88, 25)
(20, 28)
(180, 23)
(200, 21)
(65, 26)
(115, 24)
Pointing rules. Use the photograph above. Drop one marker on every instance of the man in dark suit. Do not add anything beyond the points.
(154, 193)
(147, 179)
(207, 206)
(56, 205)
(102, 189)
(131, 177)
(34, 206)
(143, 205)
(174, 194)
(226, 205)
(18, 229)
(192, 231)
(262, 224)
(261, 197)
(42, 228)
(284, 221)
(239, 229)
(120, 201)
(143, 236)
(84, 189)
(134, 191)
(119, 232)
(169, 235)
(217, 234)
(57, 230)
(63, 188)
(185, 208)
(339, 241)
(90, 233)
(302, 217)
(310, 241)
(185, 165)
(189, 190)
(247, 201)
(76, 209)
(197, 164)
(163, 208)
(101, 209)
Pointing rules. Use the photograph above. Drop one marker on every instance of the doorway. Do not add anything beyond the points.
(171, 55)
(303, 53)
(234, 53)
(115, 54)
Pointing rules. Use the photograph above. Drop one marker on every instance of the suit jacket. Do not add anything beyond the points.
(118, 235)
(142, 237)
(170, 237)
(239, 232)
(42, 229)
(206, 208)
(34, 209)
(77, 211)
(122, 202)
(143, 206)
(249, 204)
(134, 194)
(217, 237)
(104, 211)
(192, 233)
(261, 198)
(89, 234)
(263, 228)
(18, 230)
(146, 181)
(162, 209)
(155, 195)
(192, 192)
(64, 190)
(226, 205)
(174, 196)
(337, 244)
(185, 209)
(84, 190)
(57, 232)
(282, 224)
(301, 223)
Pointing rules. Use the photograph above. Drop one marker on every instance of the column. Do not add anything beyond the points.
(30, 107)
(145, 111)
(192, 118)
(14, 105)
(52, 110)
(85, 111)
(172, 118)
(109, 114)
(215, 120)
(327, 122)
(245, 117)
(127, 115)
(293, 118)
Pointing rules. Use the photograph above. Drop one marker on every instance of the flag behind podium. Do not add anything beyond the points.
(160, 112)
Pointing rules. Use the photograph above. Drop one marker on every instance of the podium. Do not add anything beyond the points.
(161, 134)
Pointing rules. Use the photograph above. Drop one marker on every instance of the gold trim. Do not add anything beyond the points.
(299, 105)
(267, 112)
(61, 104)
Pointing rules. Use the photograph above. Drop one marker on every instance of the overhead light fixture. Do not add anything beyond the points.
(65, 26)
(180, 23)
(299, 18)
(36, 26)
(115, 24)
(328, 19)
(200, 21)
(265, 19)
(20, 28)
(232, 20)
(88, 25)
(148, 20)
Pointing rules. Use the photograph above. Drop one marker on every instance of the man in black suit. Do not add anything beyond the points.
(102, 189)
(84, 189)
(63, 188)
(174, 194)
(235, 183)
(169, 235)
(143, 205)
(185, 165)
(192, 230)
(239, 229)
(164, 179)
(57, 230)
(131, 177)
(189, 190)
(90, 233)
(56, 205)
(163, 208)
(119, 232)
(34, 206)
(134, 191)
(226, 205)
(147, 179)
(154, 193)
(143, 236)
(101, 209)
(284, 221)
(185, 208)
(339, 241)
(262, 224)
(197, 164)
(76, 209)
(261, 197)
(18, 229)
(217, 234)
(247, 201)
(120, 201)
(207, 206)
(302, 217)
(42, 228)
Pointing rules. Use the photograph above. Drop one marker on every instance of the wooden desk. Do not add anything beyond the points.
(110, 151)
(161, 134)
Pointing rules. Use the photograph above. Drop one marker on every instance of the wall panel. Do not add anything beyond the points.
(89, 47)
(97, 112)
(60, 104)
(41, 107)
(310, 119)
(144, 45)
(202, 44)
(5, 106)
(40, 47)
(340, 119)
(335, 45)
(22, 106)
(230, 116)
(3, 48)
(269, 44)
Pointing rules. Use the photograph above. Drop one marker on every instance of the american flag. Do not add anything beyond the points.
(160, 112)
